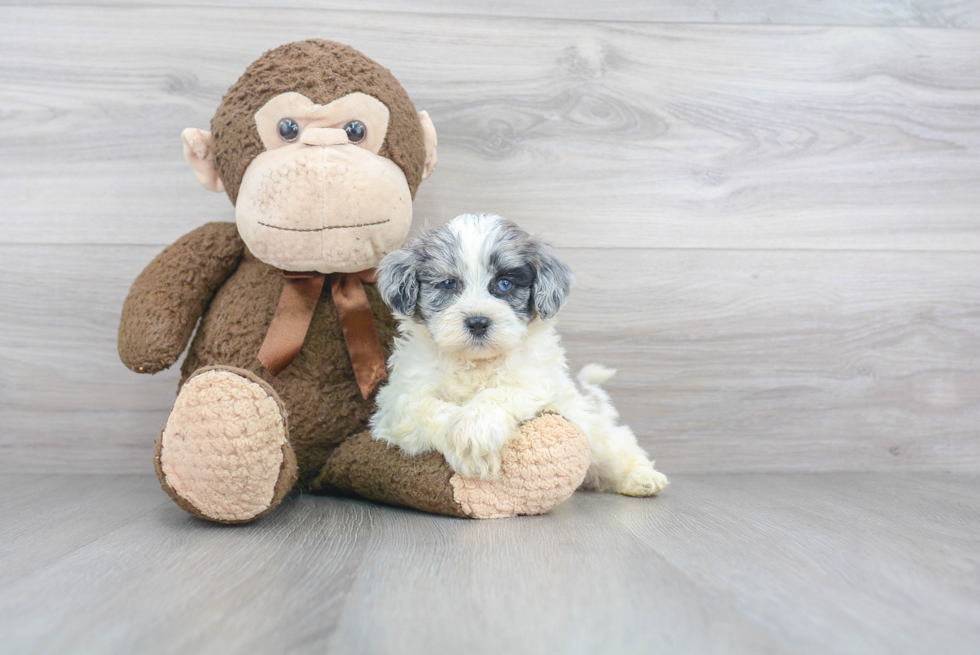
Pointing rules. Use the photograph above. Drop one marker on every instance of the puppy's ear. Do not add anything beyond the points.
(398, 281)
(552, 282)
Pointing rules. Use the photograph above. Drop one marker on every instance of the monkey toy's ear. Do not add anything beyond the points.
(398, 282)
(429, 136)
(197, 152)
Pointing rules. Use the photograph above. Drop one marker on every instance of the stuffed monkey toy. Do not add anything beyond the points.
(321, 151)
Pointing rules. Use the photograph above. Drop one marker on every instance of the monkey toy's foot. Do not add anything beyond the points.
(539, 470)
(224, 454)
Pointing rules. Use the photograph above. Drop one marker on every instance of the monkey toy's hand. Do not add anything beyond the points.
(475, 440)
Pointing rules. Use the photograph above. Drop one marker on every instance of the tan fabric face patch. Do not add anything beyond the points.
(318, 201)
(222, 447)
(310, 116)
(327, 209)
(540, 469)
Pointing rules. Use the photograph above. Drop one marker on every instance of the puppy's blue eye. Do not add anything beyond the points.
(447, 285)
(505, 285)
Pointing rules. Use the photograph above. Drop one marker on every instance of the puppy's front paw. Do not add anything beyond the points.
(475, 441)
(643, 481)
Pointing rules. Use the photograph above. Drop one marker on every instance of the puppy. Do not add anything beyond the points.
(478, 355)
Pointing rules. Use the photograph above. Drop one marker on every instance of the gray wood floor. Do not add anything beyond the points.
(776, 563)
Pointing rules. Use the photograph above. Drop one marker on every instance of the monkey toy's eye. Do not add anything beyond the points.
(356, 131)
(504, 285)
(447, 285)
(288, 130)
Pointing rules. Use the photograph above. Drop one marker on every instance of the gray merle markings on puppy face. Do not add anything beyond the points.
(401, 274)
(425, 277)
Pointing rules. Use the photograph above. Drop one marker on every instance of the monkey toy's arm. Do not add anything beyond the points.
(172, 292)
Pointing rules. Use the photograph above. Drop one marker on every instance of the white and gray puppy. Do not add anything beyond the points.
(478, 354)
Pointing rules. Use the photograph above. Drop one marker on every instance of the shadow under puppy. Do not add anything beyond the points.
(478, 355)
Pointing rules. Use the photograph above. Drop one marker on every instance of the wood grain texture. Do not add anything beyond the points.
(829, 563)
(775, 228)
(908, 13)
(623, 134)
(728, 360)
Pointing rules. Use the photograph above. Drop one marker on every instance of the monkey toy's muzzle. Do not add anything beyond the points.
(323, 206)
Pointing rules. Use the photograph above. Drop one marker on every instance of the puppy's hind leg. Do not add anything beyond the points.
(618, 462)
(620, 465)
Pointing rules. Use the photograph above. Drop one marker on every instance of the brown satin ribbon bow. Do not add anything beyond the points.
(291, 321)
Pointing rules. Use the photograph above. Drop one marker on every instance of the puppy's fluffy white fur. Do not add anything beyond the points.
(465, 395)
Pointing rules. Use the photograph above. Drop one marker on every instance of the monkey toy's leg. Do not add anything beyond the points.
(224, 454)
(540, 469)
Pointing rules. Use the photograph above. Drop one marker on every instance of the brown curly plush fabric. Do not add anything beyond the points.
(382, 473)
(167, 298)
(318, 388)
(322, 71)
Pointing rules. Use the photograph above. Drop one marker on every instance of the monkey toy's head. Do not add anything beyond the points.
(321, 151)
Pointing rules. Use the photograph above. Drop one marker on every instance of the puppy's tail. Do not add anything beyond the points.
(595, 374)
(590, 377)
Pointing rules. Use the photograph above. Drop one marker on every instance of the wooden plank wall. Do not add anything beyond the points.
(773, 212)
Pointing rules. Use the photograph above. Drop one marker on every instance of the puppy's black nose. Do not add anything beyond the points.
(477, 324)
